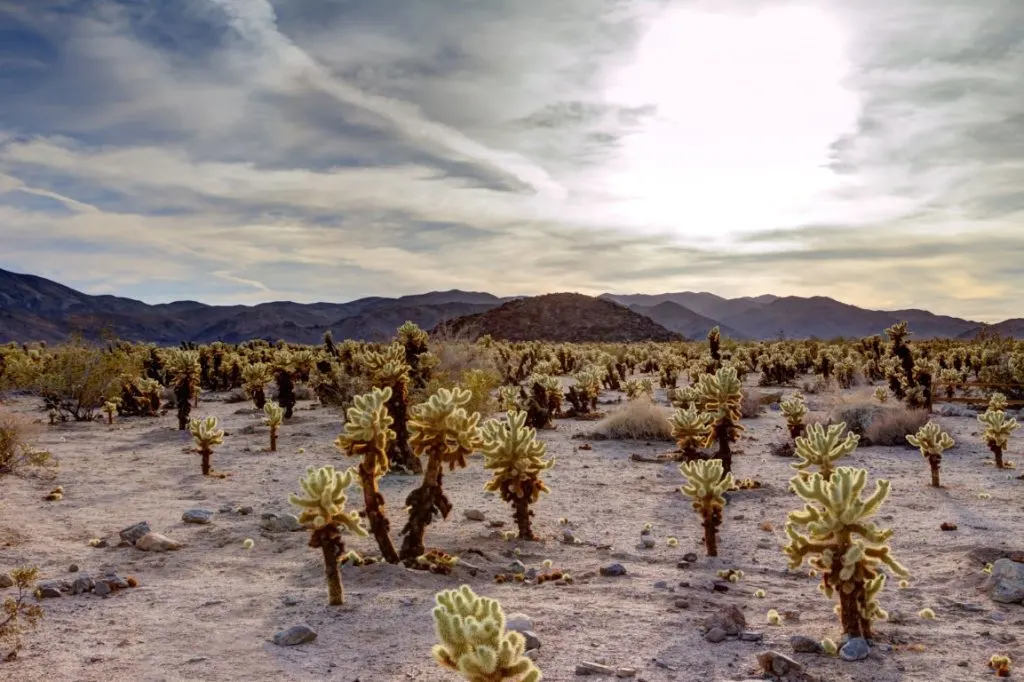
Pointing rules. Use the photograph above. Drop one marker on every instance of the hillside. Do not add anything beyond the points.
(1013, 328)
(677, 318)
(703, 303)
(563, 317)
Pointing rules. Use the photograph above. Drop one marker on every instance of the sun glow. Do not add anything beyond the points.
(747, 106)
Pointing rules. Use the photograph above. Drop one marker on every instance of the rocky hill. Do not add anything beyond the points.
(566, 317)
(676, 318)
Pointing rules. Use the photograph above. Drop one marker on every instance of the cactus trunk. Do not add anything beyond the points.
(206, 452)
(259, 398)
(997, 452)
(183, 396)
(273, 439)
(935, 461)
(711, 524)
(379, 524)
(849, 613)
(424, 502)
(399, 452)
(328, 539)
(110, 418)
(796, 430)
(723, 431)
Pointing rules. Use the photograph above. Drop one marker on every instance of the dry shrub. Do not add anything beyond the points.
(465, 364)
(17, 435)
(814, 385)
(639, 419)
(751, 404)
(892, 424)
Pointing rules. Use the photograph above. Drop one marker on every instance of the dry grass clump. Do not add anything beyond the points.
(17, 434)
(467, 365)
(751, 404)
(639, 419)
(892, 425)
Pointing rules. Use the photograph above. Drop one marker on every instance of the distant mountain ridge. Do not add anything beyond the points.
(37, 309)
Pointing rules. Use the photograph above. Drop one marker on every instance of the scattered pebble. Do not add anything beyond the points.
(280, 523)
(856, 649)
(804, 645)
(518, 622)
(690, 557)
(295, 635)
(131, 534)
(156, 542)
(613, 570)
(474, 515)
(6, 581)
(587, 668)
(778, 663)
(197, 516)
(73, 568)
(715, 635)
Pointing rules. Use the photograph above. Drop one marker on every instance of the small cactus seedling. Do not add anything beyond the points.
(998, 428)
(367, 434)
(881, 394)
(446, 433)
(773, 617)
(932, 441)
(323, 513)
(206, 435)
(820, 447)
(829, 646)
(274, 415)
(511, 450)
(705, 485)
(720, 397)
(834, 535)
(691, 429)
(1000, 664)
(474, 641)
(794, 410)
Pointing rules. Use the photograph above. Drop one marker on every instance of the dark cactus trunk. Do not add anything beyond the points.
(424, 502)
(710, 525)
(273, 439)
(723, 432)
(205, 453)
(286, 392)
(935, 461)
(328, 539)
(378, 520)
(997, 452)
(400, 454)
(259, 398)
(183, 397)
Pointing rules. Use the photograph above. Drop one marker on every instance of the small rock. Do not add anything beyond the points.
(48, 589)
(647, 542)
(495, 523)
(532, 640)
(531, 574)
(101, 589)
(777, 663)
(518, 567)
(226, 509)
(197, 516)
(1006, 584)
(715, 635)
(719, 585)
(625, 672)
(613, 570)
(295, 635)
(661, 585)
(730, 620)
(804, 645)
(474, 515)
(131, 534)
(856, 649)
(690, 557)
(568, 537)
(681, 603)
(82, 584)
(73, 568)
(290, 600)
(280, 523)
(245, 510)
(518, 622)
(156, 542)
(587, 668)
(6, 581)
(751, 636)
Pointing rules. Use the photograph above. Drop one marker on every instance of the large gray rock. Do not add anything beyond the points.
(197, 516)
(1006, 585)
(133, 533)
(856, 649)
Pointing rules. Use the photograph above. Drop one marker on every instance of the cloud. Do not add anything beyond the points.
(240, 151)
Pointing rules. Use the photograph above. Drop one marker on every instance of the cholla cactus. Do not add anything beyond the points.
(881, 394)
(255, 378)
(273, 416)
(997, 402)
(512, 451)
(474, 641)
(183, 366)
(284, 370)
(445, 433)
(635, 388)
(388, 368)
(720, 396)
(998, 428)
(323, 513)
(794, 409)
(206, 435)
(510, 398)
(833, 534)
(583, 395)
(820, 447)
(684, 397)
(932, 441)
(110, 408)
(690, 429)
(367, 433)
(706, 484)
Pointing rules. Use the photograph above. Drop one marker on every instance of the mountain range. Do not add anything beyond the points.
(36, 309)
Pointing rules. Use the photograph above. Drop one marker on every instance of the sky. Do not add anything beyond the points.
(239, 151)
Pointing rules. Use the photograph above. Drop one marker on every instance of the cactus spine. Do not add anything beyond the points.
(445, 433)
(323, 513)
(820, 447)
(833, 534)
(474, 641)
(206, 435)
(511, 450)
(367, 434)
(705, 485)
(274, 415)
(932, 441)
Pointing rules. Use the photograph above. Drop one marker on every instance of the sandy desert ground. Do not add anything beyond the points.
(209, 610)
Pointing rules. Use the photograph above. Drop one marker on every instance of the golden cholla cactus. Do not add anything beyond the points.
(635, 388)
(442, 430)
(323, 513)
(685, 396)
(820, 447)
(997, 402)
(834, 535)
(510, 398)
(690, 429)
(474, 641)
(367, 434)
(998, 428)
(794, 410)
(183, 367)
(273, 417)
(932, 441)
(720, 396)
(511, 450)
(110, 408)
(206, 435)
(255, 378)
(388, 368)
(881, 394)
(706, 483)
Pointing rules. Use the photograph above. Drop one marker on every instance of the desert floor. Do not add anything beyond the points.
(209, 610)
